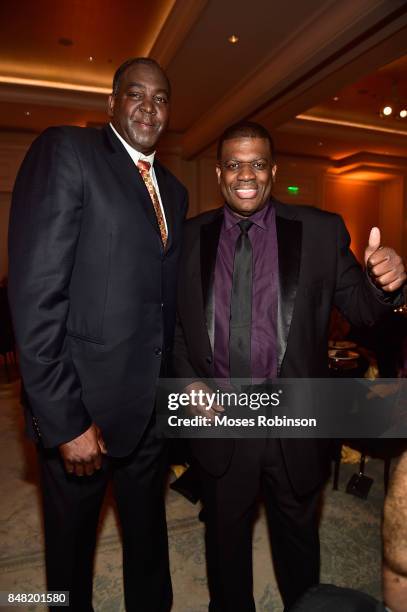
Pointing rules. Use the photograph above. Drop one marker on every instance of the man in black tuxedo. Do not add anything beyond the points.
(257, 282)
(94, 246)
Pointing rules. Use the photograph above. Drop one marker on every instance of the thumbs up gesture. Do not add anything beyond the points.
(385, 267)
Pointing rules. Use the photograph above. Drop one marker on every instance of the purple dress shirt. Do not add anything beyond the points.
(263, 237)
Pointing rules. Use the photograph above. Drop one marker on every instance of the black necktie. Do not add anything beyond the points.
(241, 306)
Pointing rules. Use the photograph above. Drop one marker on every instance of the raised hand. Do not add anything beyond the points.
(385, 266)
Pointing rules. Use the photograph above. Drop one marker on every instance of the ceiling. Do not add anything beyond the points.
(315, 72)
(54, 41)
(350, 119)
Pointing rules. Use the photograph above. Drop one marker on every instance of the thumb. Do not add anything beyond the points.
(374, 243)
(101, 441)
(102, 445)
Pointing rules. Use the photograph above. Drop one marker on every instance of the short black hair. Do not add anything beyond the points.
(149, 61)
(244, 129)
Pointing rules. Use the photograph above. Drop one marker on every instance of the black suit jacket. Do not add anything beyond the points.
(91, 289)
(316, 270)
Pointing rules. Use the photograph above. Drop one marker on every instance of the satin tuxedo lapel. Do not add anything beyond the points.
(289, 239)
(210, 234)
(128, 174)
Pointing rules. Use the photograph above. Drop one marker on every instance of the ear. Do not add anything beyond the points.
(274, 172)
(110, 105)
(218, 171)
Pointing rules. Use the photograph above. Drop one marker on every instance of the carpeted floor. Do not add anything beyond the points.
(350, 533)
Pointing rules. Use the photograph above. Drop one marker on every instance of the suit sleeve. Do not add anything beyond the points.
(45, 222)
(356, 297)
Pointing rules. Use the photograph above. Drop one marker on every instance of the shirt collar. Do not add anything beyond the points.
(261, 218)
(134, 154)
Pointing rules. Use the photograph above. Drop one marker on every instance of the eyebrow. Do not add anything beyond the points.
(141, 86)
(234, 159)
(135, 84)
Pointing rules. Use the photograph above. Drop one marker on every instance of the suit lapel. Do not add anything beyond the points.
(210, 234)
(129, 176)
(289, 238)
(166, 202)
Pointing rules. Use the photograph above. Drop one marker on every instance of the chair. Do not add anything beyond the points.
(385, 449)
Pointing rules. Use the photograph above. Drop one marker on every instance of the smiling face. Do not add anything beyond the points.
(140, 107)
(245, 174)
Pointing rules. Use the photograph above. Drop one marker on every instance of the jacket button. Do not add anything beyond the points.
(157, 351)
(209, 360)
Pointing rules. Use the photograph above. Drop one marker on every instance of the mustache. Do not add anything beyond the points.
(146, 120)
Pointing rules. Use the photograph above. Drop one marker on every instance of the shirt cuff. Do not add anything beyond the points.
(394, 298)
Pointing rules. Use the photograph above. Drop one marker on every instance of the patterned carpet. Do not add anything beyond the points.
(350, 533)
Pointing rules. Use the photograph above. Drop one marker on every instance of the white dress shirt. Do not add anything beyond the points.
(136, 156)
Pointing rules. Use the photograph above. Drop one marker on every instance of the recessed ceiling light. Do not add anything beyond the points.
(65, 42)
(320, 143)
(403, 113)
(335, 99)
(233, 39)
(91, 58)
(387, 111)
(27, 113)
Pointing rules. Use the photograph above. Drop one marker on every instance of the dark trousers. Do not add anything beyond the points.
(71, 511)
(230, 507)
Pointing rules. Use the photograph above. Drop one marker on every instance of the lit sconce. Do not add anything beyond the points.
(233, 39)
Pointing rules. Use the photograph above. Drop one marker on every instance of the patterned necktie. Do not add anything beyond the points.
(241, 307)
(144, 168)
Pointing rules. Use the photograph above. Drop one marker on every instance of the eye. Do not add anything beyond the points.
(259, 165)
(161, 99)
(137, 95)
(232, 165)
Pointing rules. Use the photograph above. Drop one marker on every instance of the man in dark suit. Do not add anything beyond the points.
(257, 282)
(94, 246)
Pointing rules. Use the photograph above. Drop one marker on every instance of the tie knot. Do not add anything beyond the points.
(245, 225)
(143, 165)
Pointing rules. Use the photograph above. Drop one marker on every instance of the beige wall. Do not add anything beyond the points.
(393, 214)
(359, 204)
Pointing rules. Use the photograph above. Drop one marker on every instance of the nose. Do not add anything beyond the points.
(147, 105)
(246, 172)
